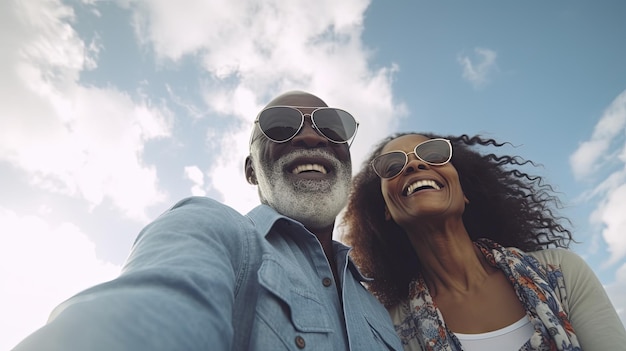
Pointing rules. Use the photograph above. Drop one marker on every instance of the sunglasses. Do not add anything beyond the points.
(281, 123)
(436, 152)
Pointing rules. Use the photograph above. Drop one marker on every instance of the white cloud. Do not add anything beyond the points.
(478, 69)
(41, 265)
(234, 35)
(80, 141)
(227, 173)
(260, 49)
(610, 215)
(591, 155)
(584, 160)
(196, 176)
(603, 157)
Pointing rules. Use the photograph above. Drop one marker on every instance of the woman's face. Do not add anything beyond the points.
(421, 192)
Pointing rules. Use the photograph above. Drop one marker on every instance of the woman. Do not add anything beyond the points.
(467, 253)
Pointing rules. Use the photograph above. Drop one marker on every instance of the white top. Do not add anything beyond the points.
(511, 337)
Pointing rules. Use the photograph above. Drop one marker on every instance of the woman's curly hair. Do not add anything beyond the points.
(507, 205)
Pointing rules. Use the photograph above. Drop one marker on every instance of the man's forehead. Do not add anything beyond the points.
(297, 99)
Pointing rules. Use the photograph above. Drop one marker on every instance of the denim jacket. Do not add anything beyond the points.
(204, 277)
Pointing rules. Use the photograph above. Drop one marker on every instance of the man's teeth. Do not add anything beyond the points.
(420, 184)
(309, 167)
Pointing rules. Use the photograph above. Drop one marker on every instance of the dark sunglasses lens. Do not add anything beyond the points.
(434, 151)
(389, 165)
(337, 125)
(280, 123)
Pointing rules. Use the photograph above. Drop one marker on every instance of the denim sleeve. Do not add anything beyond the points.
(175, 292)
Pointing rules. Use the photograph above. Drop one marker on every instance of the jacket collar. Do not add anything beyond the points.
(264, 218)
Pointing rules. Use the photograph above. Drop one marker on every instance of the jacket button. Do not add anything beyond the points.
(327, 282)
(300, 342)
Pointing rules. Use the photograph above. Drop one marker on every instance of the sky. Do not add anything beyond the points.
(112, 111)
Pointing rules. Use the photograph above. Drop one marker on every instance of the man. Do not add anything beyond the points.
(204, 277)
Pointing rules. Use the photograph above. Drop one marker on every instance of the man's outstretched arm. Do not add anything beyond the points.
(175, 292)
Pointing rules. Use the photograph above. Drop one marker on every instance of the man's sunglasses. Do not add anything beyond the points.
(281, 123)
(436, 152)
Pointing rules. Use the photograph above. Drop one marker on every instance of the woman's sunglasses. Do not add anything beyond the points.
(436, 152)
(281, 123)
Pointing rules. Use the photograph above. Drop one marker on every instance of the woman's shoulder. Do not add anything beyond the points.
(557, 257)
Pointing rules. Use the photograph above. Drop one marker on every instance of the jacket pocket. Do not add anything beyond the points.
(288, 314)
(292, 297)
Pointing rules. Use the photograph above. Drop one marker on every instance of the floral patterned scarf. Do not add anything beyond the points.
(539, 289)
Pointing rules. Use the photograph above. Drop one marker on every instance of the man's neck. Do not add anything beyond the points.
(325, 237)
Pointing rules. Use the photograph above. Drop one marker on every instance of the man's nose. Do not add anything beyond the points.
(308, 136)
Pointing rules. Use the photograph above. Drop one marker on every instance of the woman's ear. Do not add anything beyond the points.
(387, 214)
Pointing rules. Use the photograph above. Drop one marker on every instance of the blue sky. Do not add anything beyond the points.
(111, 111)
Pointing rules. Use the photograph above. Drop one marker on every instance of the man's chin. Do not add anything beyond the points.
(313, 187)
(313, 201)
(316, 208)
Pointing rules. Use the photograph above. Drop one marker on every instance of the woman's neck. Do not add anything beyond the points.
(450, 262)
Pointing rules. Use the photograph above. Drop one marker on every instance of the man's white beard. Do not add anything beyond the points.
(313, 202)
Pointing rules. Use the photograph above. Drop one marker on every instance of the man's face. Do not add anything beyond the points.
(307, 178)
